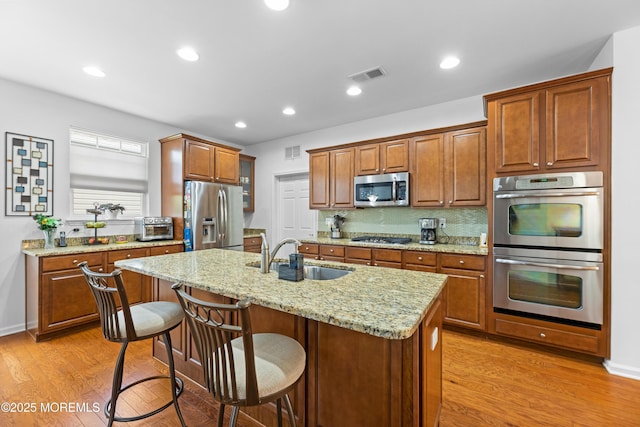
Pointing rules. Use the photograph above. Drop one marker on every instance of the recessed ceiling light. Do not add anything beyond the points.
(241, 125)
(289, 111)
(277, 4)
(188, 54)
(449, 62)
(354, 91)
(94, 71)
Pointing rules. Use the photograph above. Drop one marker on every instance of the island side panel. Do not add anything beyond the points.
(360, 379)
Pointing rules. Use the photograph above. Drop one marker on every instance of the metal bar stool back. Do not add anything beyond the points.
(242, 368)
(123, 323)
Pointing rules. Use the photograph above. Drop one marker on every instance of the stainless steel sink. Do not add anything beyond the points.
(313, 272)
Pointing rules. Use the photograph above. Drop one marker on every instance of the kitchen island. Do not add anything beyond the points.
(372, 336)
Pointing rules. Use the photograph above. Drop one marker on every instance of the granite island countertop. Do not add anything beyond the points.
(383, 302)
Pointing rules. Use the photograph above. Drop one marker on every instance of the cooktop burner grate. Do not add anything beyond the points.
(380, 239)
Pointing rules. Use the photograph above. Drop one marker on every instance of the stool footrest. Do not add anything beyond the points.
(179, 385)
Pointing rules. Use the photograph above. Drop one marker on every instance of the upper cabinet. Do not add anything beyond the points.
(185, 157)
(449, 169)
(385, 157)
(207, 161)
(331, 179)
(559, 125)
(247, 174)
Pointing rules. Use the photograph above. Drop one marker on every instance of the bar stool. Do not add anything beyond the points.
(242, 368)
(129, 324)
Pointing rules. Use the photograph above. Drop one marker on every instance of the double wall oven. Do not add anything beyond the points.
(548, 238)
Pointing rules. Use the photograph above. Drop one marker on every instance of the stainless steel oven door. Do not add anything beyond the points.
(560, 284)
(558, 218)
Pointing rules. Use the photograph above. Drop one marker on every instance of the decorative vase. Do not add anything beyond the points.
(49, 238)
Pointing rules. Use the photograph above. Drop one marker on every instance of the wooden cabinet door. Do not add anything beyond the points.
(198, 161)
(247, 177)
(66, 300)
(465, 160)
(517, 133)
(576, 123)
(431, 330)
(319, 180)
(367, 160)
(341, 167)
(465, 292)
(427, 168)
(137, 286)
(227, 166)
(394, 156)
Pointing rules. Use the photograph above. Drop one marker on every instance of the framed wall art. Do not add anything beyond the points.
(29, 175)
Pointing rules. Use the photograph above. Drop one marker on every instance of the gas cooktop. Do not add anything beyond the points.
(380, 239)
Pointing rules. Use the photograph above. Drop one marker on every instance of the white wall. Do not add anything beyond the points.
(270, 155)
(34, 112)
(625, 284)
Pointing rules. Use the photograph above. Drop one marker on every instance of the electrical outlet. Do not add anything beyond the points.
(442, 222)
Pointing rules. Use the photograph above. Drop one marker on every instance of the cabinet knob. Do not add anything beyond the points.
(461, 262)
(543, 335)
(75, 261)
(331, 250)
(128, 255)
(482, 276)
(549, 163)
(419, 258)
(450, 201)
(100, 269)
(166, 251)
(368, 263)
(377, 170)
(384, 169)
(441, 202)
(375, 264)
(535, 164)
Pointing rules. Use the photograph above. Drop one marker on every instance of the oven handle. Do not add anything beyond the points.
(542, 264)
(522, 196)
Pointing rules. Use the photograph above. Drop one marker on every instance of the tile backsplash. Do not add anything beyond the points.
(462, 222)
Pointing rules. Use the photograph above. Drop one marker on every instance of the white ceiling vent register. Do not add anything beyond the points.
(291, 153)
(370, 74)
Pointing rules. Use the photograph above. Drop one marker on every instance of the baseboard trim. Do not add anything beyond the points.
(613, 368)
(10, 330)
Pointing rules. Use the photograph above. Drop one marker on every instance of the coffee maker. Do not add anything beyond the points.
(428, 228)
(336, 223)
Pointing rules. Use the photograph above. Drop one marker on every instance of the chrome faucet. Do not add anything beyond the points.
(266, 259)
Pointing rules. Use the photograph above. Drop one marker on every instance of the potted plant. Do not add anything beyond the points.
(112, 209)
(48, 225)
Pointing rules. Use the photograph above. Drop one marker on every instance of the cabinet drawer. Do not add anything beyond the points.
(466, 262)
(390, 255)
(358, 253)
(253, 241)
(162, 250)
(113, 256)
(332, 251)
(308, 248)
(545, 335)
(66, 262)
(420, 258)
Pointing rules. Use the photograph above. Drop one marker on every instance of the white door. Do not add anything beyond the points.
(293, 216)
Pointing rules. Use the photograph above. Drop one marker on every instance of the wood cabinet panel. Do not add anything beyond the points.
(199, 161)
(341, 181)
(319, 175)
(66, 262)
(385, 157)
(466, 262)
(163, 250)
(367, 160)
(427, 171)
(309, 249)
(465, 298)
(227, 165)
(465, 165)
(66, 300)
(432, 364)
(247, 181)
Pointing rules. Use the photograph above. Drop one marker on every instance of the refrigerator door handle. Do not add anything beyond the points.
(222, 203)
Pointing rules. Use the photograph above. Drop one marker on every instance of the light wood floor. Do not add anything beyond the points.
(485, 383)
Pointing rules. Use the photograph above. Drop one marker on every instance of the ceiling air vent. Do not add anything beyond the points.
(372, 73)
(291, 153)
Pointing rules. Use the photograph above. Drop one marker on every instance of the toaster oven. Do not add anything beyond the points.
(150, 228)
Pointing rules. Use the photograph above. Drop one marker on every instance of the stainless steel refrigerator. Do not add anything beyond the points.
(213, 216)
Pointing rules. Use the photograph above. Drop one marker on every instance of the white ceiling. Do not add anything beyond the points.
(254, 61)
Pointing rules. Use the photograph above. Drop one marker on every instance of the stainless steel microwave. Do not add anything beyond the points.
(389, 189)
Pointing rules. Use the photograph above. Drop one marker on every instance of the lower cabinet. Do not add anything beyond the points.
(465, 290)
(252, 244)
(58, 300)
(376, 257)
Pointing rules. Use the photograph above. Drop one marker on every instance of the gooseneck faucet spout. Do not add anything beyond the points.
(266, 259)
